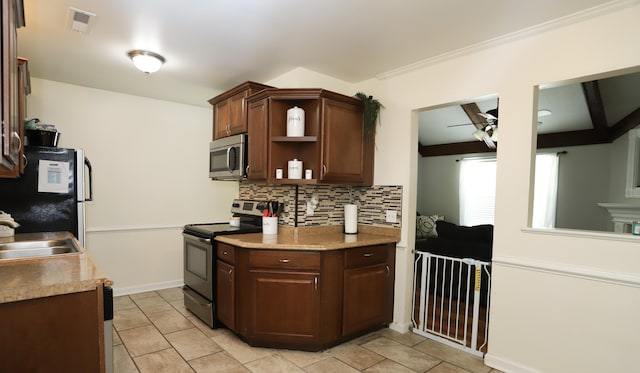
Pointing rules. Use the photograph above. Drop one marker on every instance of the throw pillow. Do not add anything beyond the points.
(425, 226)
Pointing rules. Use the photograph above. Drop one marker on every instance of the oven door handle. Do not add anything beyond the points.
(203, 240)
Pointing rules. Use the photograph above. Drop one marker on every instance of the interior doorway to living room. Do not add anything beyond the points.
(454, 222)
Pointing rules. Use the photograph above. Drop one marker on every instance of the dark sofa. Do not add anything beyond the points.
(459, 241)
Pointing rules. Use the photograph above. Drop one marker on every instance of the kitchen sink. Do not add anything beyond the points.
(29, 249)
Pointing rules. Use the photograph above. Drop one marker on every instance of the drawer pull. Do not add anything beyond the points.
(283, 260)
(367, 255)
(225, 253)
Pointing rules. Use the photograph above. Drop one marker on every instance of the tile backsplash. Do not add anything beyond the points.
(373, 202)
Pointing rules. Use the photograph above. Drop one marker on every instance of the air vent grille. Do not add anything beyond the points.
(80, 20)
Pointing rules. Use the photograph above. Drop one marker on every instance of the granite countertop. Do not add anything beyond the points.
(320, 238)
(36, 277)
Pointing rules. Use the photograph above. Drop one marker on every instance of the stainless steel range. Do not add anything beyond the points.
(200, 256)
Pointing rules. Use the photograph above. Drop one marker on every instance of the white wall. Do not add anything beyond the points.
(438, 192)
(583, 182)
(562, 301)
(304, 78)
(618, 178)
(150, 177)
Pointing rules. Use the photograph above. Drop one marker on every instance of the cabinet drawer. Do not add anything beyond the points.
(226, 253)
(284, 259)
(364, 256)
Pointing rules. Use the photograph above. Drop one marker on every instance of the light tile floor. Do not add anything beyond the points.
(153, 332)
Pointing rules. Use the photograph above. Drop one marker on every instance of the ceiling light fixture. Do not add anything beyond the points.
(145, 61)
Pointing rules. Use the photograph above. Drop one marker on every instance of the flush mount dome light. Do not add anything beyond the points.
(145, 61)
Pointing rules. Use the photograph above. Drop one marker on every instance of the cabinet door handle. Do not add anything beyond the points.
(15, 136)
(324, 170)
(283, 260)
(388, 271)
(230, 273)
(367, 255)
(315, 283)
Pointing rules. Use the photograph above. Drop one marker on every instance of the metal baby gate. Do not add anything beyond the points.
(451, 301)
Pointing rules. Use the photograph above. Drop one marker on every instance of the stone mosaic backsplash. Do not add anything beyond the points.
(373, 202)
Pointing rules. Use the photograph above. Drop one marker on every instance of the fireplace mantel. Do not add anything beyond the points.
(622, 215)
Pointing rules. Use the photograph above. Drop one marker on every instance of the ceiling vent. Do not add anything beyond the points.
(80, 20)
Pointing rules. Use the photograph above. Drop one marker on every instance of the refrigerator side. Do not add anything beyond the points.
(33, 199)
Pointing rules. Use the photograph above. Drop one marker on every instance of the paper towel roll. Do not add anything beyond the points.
(350, 219)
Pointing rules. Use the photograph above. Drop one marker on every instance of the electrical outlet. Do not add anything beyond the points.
(392, 216)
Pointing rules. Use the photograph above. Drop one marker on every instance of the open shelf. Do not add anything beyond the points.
(286, 181)
(294, 139)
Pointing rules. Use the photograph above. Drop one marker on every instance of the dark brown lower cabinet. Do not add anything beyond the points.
(285, 306)
(62, 333)
(365, 303)
(226, 294)
(309, 300)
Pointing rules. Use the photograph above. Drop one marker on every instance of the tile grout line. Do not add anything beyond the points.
(405, 343)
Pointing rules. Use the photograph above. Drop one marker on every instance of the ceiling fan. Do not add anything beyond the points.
(487, 127)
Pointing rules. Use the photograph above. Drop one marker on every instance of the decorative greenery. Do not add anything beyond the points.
(371, 110)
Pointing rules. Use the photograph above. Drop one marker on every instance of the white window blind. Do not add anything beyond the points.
(478, 191)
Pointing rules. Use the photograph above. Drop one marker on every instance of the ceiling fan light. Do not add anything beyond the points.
(494, 134)
(479, 134)
(145, 61)
(544, 113)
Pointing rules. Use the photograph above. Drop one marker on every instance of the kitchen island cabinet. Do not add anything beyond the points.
(309, 296)
(230, 109)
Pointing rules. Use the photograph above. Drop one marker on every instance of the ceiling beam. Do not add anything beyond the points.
(627, 123)
(571, 138)
(545, 140)
(472, 110)
(593, 99)
(454, 148)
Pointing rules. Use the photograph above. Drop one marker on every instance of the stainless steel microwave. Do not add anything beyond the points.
(228, 158)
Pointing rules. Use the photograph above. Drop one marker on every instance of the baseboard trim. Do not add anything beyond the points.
(118, 291)
(399, 327)
(505, 365)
